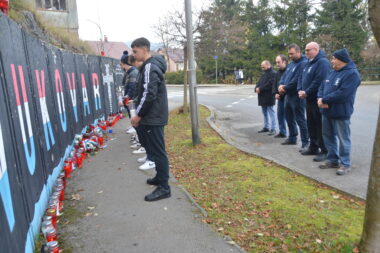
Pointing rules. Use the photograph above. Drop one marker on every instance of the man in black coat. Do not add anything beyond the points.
(282, 63)
(266, 97)
(152, 114)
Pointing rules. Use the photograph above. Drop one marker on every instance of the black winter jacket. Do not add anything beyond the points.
(265, 84)
(276, 83)
(129, 81)
(152, 98)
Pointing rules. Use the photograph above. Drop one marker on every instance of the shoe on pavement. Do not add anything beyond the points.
(288, 142)
(152, 181)
(136, 145)
(280, 135)
(131, 130)
(142, 159)
(309, 152)
(343, 170)
(304, 147)
(272, 132)
(139, 151)
(264, 130)
(320, 157)
(159, 193)
(329, 165)
(147, 165)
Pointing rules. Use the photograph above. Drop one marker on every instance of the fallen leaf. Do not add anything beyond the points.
(75, 196)
(100, 192)
(88, 214)
(356, 250)
(318, 241)
(91, 207)
(260, 234)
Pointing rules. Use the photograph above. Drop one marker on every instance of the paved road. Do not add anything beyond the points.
(238, 118)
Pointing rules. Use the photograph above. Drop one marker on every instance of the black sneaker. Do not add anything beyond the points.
(280, 135)
(320, 157)
(288, 142)
(264, 130)
(309, 152)
(329, 165)
(159, 193)
(152, 181)
(272, 132)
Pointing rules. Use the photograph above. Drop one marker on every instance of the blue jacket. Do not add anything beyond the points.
(314, 73)
(291, 76)
(339, 90)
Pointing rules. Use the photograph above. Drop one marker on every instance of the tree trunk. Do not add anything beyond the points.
(185, 81)
(370, 242)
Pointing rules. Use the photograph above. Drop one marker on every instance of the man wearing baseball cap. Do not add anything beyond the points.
(336, 97)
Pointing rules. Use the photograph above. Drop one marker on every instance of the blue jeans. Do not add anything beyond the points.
(281, 116)
(269, 117)
(336, 131)
(295, 115)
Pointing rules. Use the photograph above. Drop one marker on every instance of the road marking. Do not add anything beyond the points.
(234, 103)
(228, 106)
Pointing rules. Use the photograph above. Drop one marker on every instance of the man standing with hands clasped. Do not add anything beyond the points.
(336, 98)
(152, 114)
(314, 73)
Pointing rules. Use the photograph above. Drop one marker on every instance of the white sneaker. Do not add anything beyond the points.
(131, 131)
(147, 165)
(136, 145)
(142, 159)
(139, 151)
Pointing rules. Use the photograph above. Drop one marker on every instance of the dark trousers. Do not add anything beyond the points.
(314, 125)
(295, 115)
(142, 137)
(155, 146)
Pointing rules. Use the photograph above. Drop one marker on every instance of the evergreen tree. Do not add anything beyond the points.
(341, 23)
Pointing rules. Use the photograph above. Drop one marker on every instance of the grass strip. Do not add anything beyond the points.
(262, 206)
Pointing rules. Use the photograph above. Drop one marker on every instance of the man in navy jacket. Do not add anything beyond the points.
(294, 106)
(314, 73)
(336, 97)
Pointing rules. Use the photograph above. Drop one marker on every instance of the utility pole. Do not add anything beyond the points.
(216, 69)
(192, 75)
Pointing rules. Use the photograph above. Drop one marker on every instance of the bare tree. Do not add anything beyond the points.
(370, 242)
(172, 31)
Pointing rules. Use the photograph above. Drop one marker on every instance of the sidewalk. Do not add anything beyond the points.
(111, 191)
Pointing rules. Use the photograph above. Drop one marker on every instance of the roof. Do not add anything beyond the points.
(111, 49)
(176, 54)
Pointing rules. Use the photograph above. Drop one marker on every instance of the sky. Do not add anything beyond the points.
(125, 20)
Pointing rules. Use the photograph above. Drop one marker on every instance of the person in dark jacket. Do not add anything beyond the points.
(294, 106)
(266, 97)
(336, 98)
(314, 73)
(281, 62)
(130, 76)
(152, 114)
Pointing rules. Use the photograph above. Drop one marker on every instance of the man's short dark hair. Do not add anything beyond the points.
(283, 58)
(295, 46)
(141, 42)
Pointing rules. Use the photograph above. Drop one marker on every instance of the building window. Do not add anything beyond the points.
(59, 5)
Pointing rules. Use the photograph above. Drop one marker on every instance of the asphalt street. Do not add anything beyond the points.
(237, 117)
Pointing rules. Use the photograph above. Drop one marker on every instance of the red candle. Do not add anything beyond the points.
(51, 235)
(53, 247)
(52, 213)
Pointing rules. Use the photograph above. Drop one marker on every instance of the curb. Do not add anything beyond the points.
(210, 121)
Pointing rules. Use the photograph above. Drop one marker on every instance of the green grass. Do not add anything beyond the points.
(261, 205)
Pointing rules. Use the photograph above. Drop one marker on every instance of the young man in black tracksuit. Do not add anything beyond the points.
(152, 114)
